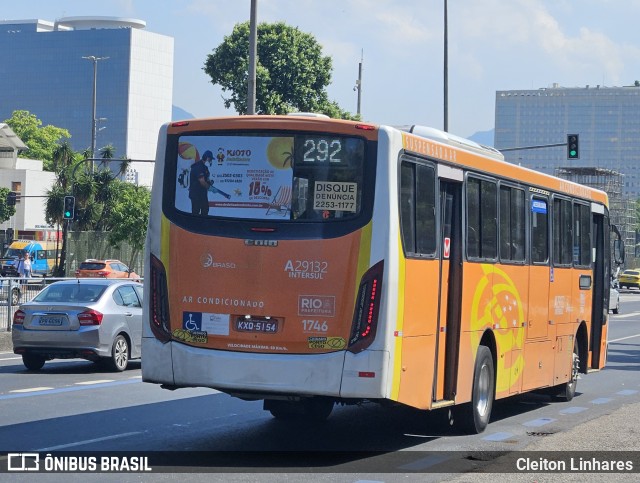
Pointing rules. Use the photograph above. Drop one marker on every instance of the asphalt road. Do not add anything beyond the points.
(74, 406)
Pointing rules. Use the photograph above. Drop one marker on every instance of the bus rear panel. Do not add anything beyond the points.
(271, 291)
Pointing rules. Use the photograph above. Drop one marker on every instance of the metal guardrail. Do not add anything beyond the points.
(26, 288)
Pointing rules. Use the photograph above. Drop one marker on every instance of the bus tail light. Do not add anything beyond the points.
(365, 316)
(159, 303)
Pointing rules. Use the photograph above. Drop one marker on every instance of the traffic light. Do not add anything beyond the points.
(69, 207)
(573, 149)
(11, 198)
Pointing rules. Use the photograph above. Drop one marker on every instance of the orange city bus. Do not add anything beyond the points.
(338, 261)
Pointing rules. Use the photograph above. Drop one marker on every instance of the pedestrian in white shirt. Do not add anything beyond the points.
(26, 271)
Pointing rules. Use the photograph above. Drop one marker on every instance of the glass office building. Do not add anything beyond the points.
(607, 120)
(48, 70)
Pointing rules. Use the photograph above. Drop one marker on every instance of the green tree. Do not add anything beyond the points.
(6, 211)
(41, 140)
(103, 202)
(291, 72)
(129, 218)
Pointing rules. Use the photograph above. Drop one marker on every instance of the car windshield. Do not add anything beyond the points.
(13, 252)
(630, 272)
(91, 266)
(70, 293)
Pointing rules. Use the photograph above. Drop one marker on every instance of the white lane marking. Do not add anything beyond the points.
(10, 358)
(89, 441)
(32, 389)
(625, 338)
(97, 381)
(625, 316)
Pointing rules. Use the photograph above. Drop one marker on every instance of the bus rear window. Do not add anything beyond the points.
(270, 177)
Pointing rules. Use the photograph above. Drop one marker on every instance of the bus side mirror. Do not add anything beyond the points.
(618, 246)
(618, 252)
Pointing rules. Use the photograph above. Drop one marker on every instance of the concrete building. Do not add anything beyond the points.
(47, 68)
(25, 177)
(607, 120)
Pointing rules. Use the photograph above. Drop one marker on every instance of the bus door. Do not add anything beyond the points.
(601, 277)
(538, 354)
(540, 273)
(450, 296)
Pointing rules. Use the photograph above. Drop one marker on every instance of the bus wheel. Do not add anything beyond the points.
(281, 410)
(567, 390)
(317, 408)
(475, 415)
(313, 409)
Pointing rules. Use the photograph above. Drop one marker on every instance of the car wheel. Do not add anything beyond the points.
(616, 309)
(15, 297)
(120, 353)
(33, 362)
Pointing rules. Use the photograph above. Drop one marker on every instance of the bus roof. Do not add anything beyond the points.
(490, 161)
(421, 140)
(21, 244)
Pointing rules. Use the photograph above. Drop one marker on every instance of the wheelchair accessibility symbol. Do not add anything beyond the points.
(192, 321)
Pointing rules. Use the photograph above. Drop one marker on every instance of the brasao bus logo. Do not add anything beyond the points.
(208, 261)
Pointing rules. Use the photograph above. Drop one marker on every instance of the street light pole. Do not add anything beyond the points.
(358, 86)
(253, 49)
(446, 69)
(94, 119)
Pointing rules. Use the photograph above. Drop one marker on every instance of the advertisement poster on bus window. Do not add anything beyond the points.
(247, 177)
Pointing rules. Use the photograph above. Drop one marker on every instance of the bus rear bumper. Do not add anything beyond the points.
(243, 373)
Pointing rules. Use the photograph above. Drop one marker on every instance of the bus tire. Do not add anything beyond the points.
(317, 408)
(33, 362)
(312, 409)
(281, 410)
(476, 414)
(566, 391)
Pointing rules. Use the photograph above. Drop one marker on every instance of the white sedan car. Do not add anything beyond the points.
(614, 300)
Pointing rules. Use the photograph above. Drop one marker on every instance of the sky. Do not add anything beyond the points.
(492, 45)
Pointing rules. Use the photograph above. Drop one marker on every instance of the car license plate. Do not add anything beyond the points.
(269, 326)
(52, 321)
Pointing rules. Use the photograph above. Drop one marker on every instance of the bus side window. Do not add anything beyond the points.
(425, 196)
(407, 207)
(539, 237)
(482, 213)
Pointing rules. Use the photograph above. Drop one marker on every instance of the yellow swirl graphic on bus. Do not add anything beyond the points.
(497, 304)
